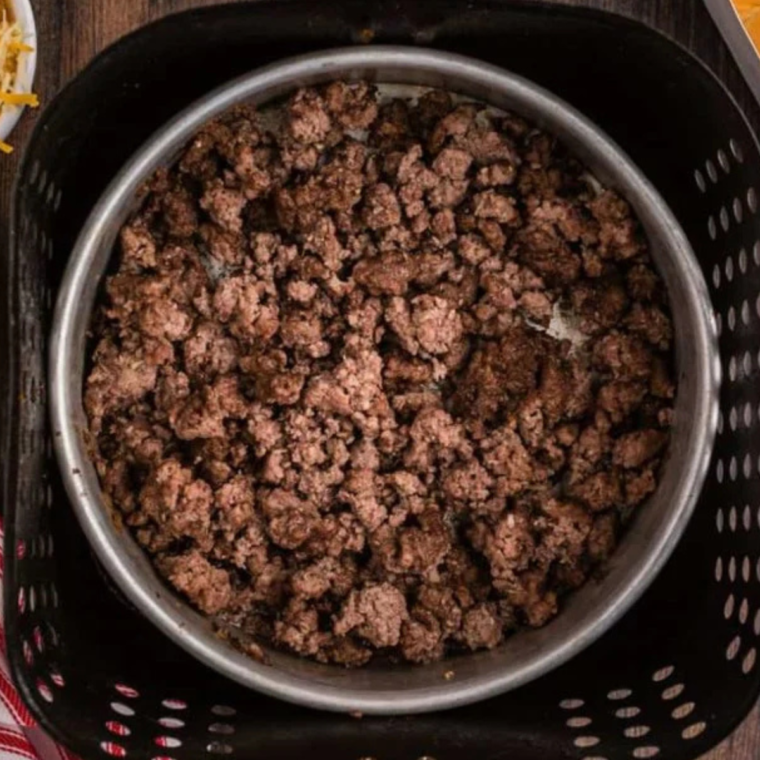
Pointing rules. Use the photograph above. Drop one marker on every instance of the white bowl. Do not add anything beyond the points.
(27, 65)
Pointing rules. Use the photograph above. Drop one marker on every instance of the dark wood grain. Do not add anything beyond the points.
(73, 31)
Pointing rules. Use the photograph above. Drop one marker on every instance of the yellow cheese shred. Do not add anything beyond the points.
(19, 99)
(749, 13)
(5, 148)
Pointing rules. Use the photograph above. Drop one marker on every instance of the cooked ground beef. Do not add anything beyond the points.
(326, 389)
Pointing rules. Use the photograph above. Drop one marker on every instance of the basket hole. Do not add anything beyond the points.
(748, 420)
(719, 471)
(725, 220)
(719, 522)
(716, 277)
(712, 228)
(731, 318)
(728, 607)
(732, 569)
(733, 419)
(617, 694)
(577, 722)
(744, 611)
(733, 469)
(126, 691)
(39, 639)
(694, 730)
(645, 752)
(32, 599)
(54, 595)
(628, 712)
(219, 748)
(745, 312)
(636, 732)
(118, 728)
(169, 742)
(44, 690)
(34, 173)
(26, 649)
(227, 729)
(748, 663)
(586, 741)
(122, 709)
(224, 711)
(174, 704)
(718, 323)
(673, 691)
(115, 750)
(742, 259)
(42, 184)
(752, 200)
(738, 210)
(20, 549)
(747, 512)
(683, 711)
(663, 674)
(746, 569)
(699, 179)
(756, 624)
(732, 519)
(725, 164)
(733, 648)
(171, 722)
(719, 569)
(57, 678)
(712, 172)
(736, 150)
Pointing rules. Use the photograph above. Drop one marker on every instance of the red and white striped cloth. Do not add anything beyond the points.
(20, 737)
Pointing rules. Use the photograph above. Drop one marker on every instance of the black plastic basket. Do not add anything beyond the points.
(671, 680)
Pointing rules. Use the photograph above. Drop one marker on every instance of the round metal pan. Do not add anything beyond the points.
(587, 613)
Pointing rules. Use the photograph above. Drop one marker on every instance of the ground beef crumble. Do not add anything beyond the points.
(325, 387)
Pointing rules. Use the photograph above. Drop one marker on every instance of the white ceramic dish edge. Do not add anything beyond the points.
(27, 65)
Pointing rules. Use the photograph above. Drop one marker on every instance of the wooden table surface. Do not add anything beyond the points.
(71, 32)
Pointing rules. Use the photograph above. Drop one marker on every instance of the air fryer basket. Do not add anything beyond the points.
(671, 679)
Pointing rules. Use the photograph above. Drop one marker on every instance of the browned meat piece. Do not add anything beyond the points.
(619, 234)
(376, 613)
(308, 119)
(352, 105)
(497, 371)
(481, 628)
(634, 449)
(206, 586)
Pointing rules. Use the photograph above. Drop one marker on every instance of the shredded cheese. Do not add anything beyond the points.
(749, 12)
(19, 99)
(12, 47)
